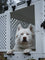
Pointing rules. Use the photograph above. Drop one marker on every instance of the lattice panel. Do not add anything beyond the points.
(13, 25)
(3, 32)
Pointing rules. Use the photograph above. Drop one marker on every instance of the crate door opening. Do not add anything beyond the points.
(22, 30)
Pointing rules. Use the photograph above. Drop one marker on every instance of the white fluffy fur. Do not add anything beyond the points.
(24, 32)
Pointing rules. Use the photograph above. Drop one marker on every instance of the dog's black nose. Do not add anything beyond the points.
(24, 39)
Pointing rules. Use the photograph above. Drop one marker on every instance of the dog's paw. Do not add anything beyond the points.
(27, 51)
(10, 52)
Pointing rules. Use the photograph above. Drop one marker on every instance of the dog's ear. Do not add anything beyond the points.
(31, 27)
(19, 27)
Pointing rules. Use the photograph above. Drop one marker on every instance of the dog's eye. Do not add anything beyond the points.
(16, 35)
(27, 33)
(22, 33)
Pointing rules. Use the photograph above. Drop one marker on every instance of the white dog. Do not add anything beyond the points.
(24, 38)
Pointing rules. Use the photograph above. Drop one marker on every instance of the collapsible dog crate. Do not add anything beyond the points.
(9, 25)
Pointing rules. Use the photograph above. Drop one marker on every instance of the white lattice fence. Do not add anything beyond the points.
(4, 31)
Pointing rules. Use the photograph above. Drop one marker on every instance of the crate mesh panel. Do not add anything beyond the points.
(13, 25)
(2, 32)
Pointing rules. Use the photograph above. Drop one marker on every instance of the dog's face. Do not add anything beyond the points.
(24, 35)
